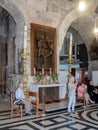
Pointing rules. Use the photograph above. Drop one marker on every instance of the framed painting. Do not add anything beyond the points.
(43, 49)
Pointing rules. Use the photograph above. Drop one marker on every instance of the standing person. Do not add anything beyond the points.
(19, 95)
(72, 95)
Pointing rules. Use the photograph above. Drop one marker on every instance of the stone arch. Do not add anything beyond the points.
(11, 8)
(62, 29)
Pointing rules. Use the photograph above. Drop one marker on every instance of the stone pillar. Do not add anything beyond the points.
(93, 66)
(4, 65)
(18, 44)
(4, 53)
(0, 65)
(11, 46)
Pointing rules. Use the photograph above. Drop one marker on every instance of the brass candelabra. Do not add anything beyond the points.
(24, 54)
(70, 61)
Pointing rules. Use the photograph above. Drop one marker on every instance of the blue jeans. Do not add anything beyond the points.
(72, 102)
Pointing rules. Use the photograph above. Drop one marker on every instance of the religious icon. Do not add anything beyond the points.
(43, 48)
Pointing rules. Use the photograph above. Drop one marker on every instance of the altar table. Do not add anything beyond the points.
(61, 88)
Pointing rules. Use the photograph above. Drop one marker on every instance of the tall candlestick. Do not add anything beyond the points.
(25, 36)
(70, 45)
(50, 71)
(34, 71)
(42, 70)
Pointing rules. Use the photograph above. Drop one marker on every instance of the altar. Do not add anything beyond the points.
(51, 91)
(61, 91)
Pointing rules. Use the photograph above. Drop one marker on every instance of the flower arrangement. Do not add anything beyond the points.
(45, 79)
(39, 78)
(54, 78)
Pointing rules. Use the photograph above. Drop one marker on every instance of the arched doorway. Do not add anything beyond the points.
(11, 41)
(79, 50)
(7, 47)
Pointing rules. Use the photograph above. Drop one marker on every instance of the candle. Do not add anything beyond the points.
(50, 71)
(70, 45)
(34, 71)
(42, 70)
(25, 36)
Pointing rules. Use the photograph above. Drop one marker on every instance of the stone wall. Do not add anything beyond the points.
(46, 12)
(54, 13)
(93, 66)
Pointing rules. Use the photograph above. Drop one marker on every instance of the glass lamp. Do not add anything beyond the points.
(82, 5)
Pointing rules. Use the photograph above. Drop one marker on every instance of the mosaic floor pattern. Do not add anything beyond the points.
(81, 120)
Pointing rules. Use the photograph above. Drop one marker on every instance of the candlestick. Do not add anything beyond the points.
(34, 71)
(25, 36)
(42, 70)
(70, 45)
(50, 71)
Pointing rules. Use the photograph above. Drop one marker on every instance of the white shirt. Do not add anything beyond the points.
(72, 89)
(19, 93)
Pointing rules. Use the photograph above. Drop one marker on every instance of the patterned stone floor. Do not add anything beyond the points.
(82, 120)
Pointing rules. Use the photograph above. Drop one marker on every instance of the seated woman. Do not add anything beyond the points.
(83, 94)
(87, 98)
(81, 90)
(19, 94)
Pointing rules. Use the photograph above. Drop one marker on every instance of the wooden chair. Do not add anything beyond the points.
(35, 102)
(16, 110)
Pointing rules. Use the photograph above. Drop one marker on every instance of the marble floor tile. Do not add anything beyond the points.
(83, 119)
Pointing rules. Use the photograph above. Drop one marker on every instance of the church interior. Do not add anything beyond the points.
(42, 44)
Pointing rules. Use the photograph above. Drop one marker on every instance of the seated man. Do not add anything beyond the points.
(19, 94)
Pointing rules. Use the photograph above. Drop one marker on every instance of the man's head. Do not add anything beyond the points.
(91, 82)
(21, 85)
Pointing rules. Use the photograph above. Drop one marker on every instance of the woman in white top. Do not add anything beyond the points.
(72, 94)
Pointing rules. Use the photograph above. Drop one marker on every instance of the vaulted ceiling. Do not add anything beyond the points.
(56, 10)
(86, 20)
